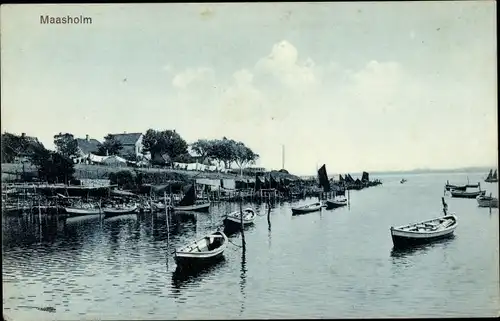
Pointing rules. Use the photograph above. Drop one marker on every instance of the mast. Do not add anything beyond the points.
(282, 156)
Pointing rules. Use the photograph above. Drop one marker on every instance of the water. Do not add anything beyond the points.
(329, 264)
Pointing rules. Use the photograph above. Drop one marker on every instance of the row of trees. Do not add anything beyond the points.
(226, 151)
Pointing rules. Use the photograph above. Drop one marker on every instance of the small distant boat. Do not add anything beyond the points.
(307, 208)
(202, 251)
(492, 177)
(487, 201)
(403, 181)
(450, 187)
(119, 210)
(465, 194)
(335, 203)
(426, 231)
(189, 203)
(234, 217)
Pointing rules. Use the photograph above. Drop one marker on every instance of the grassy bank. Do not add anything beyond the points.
(84, 171)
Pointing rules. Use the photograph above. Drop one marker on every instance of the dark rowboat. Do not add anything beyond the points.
(424, 232)
(450, 187)
(189, 202)
(465, 194)
(487, 201)
(202, 251)
(307, 208)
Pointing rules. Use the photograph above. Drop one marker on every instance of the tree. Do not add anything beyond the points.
(18, 146)
(110, 146)
(243, 155)
(164, 142)
(52, 166)
(66, 144)
(223, 151)
(204, 148)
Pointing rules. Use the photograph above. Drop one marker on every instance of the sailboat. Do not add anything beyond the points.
(325, 183)
(492, 177)
(189, 203)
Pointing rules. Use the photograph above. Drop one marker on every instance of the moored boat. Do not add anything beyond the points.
(487, 201)
(450, 187)
(119, 210)
(236, 217)
(200, 207)
(335, 203)
(190, 203)
(425, 231)
(202, 251)
(82, 210)
(307, 208)
(465, 194)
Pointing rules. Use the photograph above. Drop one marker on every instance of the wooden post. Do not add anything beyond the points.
(241, 220)
(39, 212)
(269, 215)
(166, 215)
(348, 199)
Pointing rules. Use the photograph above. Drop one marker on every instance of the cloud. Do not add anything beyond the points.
(283, 64)
(381, 115)
(192, 76)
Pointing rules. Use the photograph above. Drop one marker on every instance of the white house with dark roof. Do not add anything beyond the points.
(131, 142)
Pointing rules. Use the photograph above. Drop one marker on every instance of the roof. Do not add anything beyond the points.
(88, 146)
(191, 152)
(127, 139)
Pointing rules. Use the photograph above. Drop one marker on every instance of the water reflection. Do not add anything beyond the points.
(183, 278)
(243, 277)
(402, 253)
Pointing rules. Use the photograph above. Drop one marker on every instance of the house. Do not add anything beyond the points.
(131, 143)
(86, 147)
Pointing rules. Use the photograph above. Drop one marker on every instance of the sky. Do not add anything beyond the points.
(375, 86)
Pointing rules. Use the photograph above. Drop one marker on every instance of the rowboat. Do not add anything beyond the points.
(86, 209)
(307, 208)
(119, 210)
(450, 187)
(339, 202)
(202, 207)
(465, 194)
(487, 201)
(235, 219)
(202, 251)
(424, 232)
